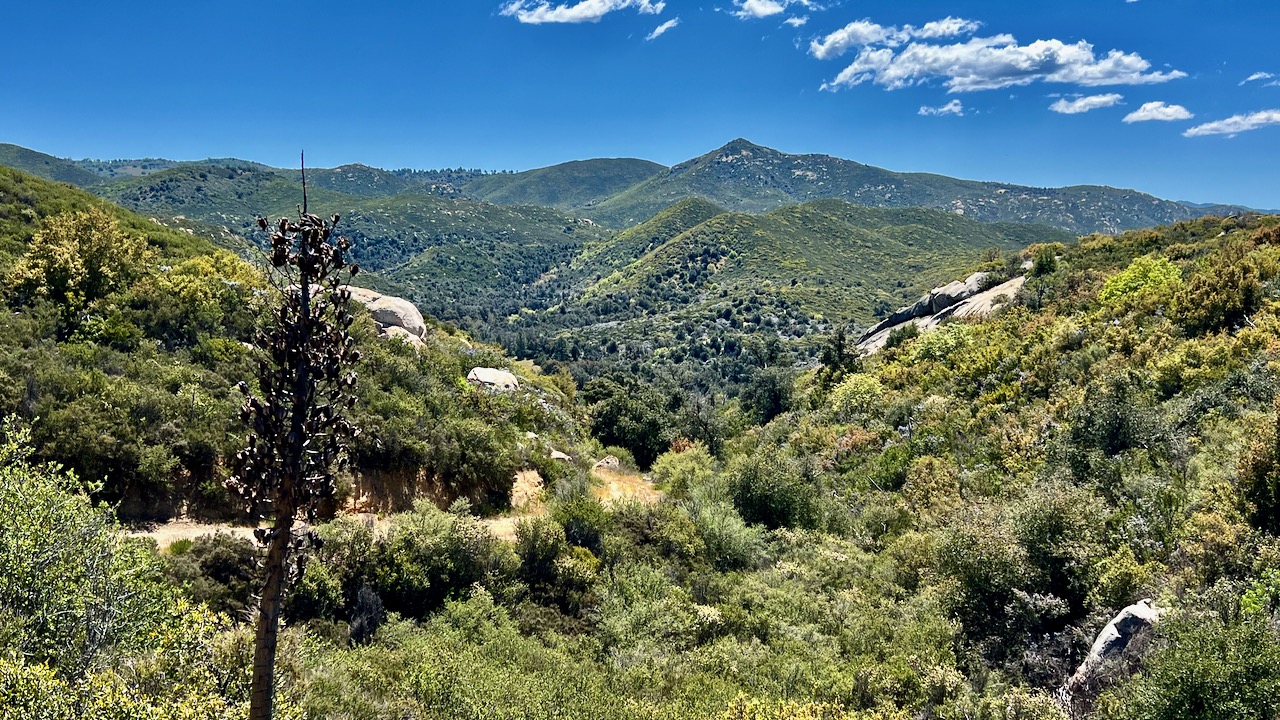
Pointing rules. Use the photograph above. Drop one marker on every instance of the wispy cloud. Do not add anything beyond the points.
(753, 9)
(955, 107)
(797, 21)
(536, 12)
(899, 57)
(658, 31)
(1085, 104)
(1257, 76)
(1236, 124)
(1158, 111)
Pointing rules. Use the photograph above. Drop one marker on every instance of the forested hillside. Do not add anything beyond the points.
(685, 292)
(715, 300)
(124, 340)
(746, 177)
(938, 530)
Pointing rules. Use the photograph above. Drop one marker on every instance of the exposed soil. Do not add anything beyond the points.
(610, 485)
(175, 530)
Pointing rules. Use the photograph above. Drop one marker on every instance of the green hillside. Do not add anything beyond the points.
(123, 340)
(457, 257)
(702, 304)
(746, 177)
(628, 245)
(461, 258)
(836, 258)
(364, 181)
(568, 186)
(938, 531)
(45, 166)
(27, 201)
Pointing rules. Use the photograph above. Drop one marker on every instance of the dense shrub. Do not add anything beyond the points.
(73, 589)
(773, 490)
(219, 570)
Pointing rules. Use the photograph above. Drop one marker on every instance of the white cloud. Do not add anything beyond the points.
(986, 63)
(861, 33)
(1158, 111)
(1085, 104)
(1236, 124)
(946, 27)
(952, 108)
(797, 21)
(658, 31)
(753, 9)
(1257, 76)
(858, 33)
(536, 12)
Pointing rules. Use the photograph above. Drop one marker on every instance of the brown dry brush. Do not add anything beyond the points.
(298, 430)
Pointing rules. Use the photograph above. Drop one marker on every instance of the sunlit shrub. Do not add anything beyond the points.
(1149, 275)
(857, 395)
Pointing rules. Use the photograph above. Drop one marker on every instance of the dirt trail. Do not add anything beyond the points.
(620, 484)
(175, 530)
(611, 485)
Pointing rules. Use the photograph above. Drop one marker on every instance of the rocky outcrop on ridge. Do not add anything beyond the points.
(951, 301)
(396, 317)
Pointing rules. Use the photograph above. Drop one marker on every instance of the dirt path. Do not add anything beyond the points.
(171, 532)
(612, 484)
(619, 484)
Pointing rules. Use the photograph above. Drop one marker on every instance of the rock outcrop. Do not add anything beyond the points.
(1114, 639)
(399, 333)
(390, 311)
(952, 301)
(493, 378)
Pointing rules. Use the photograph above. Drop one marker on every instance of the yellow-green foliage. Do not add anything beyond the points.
(1227, 287)
(858, 394)
(87, 629)
(681, 470)
(80, 257)
(1147, 275)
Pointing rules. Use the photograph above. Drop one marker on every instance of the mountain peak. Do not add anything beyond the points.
(738, 146)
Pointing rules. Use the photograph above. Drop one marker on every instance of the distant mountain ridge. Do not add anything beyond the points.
(746, 177)
(740, 176)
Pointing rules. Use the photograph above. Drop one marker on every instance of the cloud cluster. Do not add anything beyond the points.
(898, 57)
(1159, 111)
(753, 9)
(860, 33)
(1236, 124)
(536, 12)
(955, 107)
(658, 31)
(1085, 104)
(1257, 76)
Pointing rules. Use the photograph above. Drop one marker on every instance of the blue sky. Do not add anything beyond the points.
(1179, 98)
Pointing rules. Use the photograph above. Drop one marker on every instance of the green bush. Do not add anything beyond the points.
(1147, 275)
(681, 470)
(856, 396)
(73, 588)
(773, 490)
(730, 543)
(584, 520)
(219, 570)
